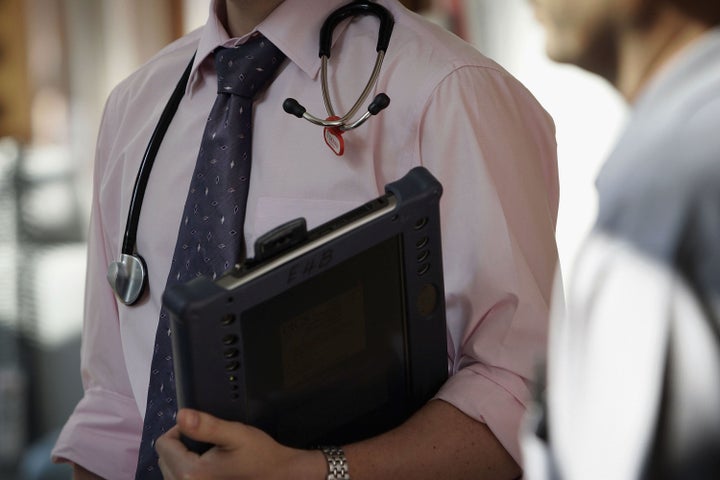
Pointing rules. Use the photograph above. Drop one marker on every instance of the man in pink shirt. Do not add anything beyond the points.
(475, 127)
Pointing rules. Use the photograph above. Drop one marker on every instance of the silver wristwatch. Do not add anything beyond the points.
(337, 463)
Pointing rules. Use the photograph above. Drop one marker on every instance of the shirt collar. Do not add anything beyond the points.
(292, 27)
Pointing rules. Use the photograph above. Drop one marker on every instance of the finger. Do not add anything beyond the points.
(204, 427)
(167, 474)
(174, 433)
(175, 460)
(166, 440)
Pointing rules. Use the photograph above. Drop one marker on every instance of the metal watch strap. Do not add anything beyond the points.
(337, 463)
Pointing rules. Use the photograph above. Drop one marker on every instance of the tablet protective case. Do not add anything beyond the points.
(326, 336)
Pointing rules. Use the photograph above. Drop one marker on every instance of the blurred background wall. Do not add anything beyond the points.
(59, 60)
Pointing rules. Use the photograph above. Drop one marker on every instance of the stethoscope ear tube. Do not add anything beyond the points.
(358, 7)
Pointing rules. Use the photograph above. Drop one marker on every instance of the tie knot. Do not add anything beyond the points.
(245, 70)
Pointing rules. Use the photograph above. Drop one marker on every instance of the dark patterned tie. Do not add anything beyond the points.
(210, 239)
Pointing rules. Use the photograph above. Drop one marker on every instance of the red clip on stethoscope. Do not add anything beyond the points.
(128, 276)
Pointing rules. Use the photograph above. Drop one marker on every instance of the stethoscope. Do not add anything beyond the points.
(128, 275)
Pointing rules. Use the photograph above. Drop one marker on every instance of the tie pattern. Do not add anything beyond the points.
(210, 237)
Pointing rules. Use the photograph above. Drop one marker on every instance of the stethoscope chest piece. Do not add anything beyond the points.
(127, 278)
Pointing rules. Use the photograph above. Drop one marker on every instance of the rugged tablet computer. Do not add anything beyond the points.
(326, 336)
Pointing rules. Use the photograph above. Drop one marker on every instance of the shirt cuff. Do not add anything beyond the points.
(479, 396)
(102, 435)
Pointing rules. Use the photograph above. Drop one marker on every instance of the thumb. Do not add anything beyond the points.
(204, 427)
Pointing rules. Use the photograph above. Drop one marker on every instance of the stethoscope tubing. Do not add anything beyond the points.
(129, 273)
(141, 182)
(342, 122)
(356, 8)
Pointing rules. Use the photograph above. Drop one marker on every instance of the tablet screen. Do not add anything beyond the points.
(349, 345)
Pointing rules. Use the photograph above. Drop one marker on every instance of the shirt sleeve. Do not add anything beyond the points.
(493, 148)
(106, 419)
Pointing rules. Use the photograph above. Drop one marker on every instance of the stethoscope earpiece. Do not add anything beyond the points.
(127, 278)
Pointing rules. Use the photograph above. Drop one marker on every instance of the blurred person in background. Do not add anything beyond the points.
(633, 377)
(454, 111)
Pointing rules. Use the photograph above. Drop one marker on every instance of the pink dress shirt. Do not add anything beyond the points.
(454, 111)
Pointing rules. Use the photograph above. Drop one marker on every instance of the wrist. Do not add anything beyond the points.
(307, 465)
